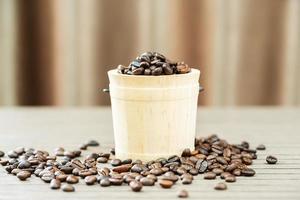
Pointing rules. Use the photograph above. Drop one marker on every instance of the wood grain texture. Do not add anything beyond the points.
(48, 128)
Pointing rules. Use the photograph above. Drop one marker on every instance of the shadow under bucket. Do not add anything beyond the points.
(153, 116)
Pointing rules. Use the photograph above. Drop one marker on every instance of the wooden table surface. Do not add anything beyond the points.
(48, 128)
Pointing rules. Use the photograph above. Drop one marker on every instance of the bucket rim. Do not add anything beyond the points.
(115, 72)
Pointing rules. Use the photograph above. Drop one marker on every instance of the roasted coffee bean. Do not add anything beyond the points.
(15, 171)
(156, 171)
(122, 168)
(147, 181)
(55, 184)
(105, 182)
(23, 175)
(221, 186)
(201, 165)
(230, 178)
(2, 154)
(127, 161)
(271, 159)
(183, 194)
(19, 150)
(227, 152)
(168, 70)
(157, 71)
(138, 71)
(3, 162)
(186, 181)
(90, 180)
(83, 146)
(193, 171)
(137, 168)
(152, 177)
(116, 181)
(209, 175)
(12, 154)
(248, 172)
(68, 188)
(247, 161)
(93, 156)
(61, 177)
(24, 164)
(231, 167)
(136, 186)
(116, 162)
(102, 160)
(217, 171)
(147, 72)
(183, 69)
(165, 183)
(172, 178)
(221, 160)
(72, 179)
(186, 153)
(236, 172)
(69, 154)
(47, 177)
(261, 147)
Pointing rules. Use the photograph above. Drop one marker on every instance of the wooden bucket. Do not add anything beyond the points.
(153, 116)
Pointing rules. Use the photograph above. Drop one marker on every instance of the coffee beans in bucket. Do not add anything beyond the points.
(155, 64)
(212, 157)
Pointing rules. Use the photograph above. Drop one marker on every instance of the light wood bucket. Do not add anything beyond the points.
(153, 116)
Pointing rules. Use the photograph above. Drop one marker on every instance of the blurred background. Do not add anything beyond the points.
(57, 52)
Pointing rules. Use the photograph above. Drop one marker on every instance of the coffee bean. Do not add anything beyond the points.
(3, 162)
(186, 153)
(2, 154)
(12, 154)
(209, 175)
(116, 181)
(92, 143)
(116, 162)
(248, 172)
(72, 179)
(230, 178)
(165, 183)
(23, 175)
(183, 68)
(147, 72)
(193, 171)
(102, 160)
(236, 172)
(24, 164)
(172, 178)
(271, 159)
(156, 171)
(183, 194)
(147, 181)
(153, 177)
(221, 186)
(61, 177)
(135, 186)
(105, 182)
(137, 168)
(168, 70)
(157, 71)
(186, 181)
(83, 146)
(201, 165)
(90, 180)
(138, 71)
(217, 171)
(261, 147)
(68, 188)
(47, 177)
(247, 161)
(15, 171)
(55, 184)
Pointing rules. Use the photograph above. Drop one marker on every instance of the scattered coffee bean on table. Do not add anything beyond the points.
(2, 154)
(155, 64)
(221, 186)
(136, 186)
(271, 159)
(55, 184)
(183, 194)
(68, 188)
(211, 157)
(261, 147)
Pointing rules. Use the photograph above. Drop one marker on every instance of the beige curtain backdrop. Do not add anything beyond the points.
(57, 52)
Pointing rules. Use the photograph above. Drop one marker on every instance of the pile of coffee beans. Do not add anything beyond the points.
(155, 64)
(213, 157)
